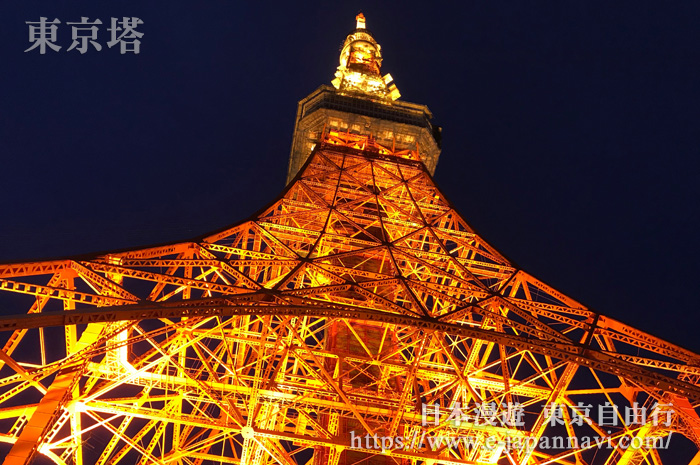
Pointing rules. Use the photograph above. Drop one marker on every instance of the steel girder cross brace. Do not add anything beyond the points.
(356, 299)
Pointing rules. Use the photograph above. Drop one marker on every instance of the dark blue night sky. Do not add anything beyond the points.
(571, 130)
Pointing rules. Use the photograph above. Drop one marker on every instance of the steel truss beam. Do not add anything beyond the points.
(356, 299)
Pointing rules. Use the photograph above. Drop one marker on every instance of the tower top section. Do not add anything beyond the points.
(360, 63)
(363, 105)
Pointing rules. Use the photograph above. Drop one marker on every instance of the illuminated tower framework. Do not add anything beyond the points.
(341, 310)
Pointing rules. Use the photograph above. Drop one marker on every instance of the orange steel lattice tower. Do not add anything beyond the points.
(358, 306)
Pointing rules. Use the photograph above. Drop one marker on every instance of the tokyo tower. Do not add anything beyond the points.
(358, 319)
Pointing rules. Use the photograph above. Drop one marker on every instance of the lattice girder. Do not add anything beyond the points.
(351, 301)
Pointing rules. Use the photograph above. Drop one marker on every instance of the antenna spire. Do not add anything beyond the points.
(360, 21)
(360, 64)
